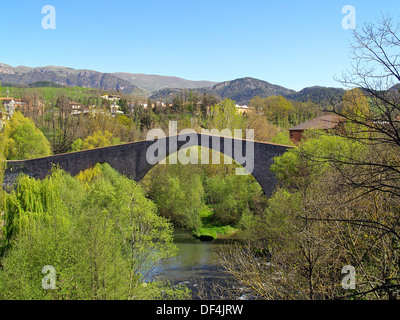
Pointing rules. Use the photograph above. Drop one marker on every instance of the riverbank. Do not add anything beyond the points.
(209, 230)
(214, 232)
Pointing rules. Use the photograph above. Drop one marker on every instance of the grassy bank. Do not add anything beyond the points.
(210, 230)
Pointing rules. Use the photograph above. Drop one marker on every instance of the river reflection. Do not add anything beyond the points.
(194, 265)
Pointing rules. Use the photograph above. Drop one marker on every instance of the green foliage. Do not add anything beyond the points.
(161, 291)
(310, 160)
(24, 140)
(280, 205)
(282, 112)
(102, 236)
(355, 105)
(123, 119)
(225, 116)
(214, 231)
(277, 109)
(283, 137)
(178, 192)
(77, 145)
(50, 94)
(231, 196)
(98, 140)
(136, 218)
(115, 141)
(203, 198)
(35, 201)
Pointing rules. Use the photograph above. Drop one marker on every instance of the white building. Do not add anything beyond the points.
(241, 109)
(111, 97)
(114, 110)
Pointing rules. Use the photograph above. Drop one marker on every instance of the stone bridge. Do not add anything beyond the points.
(131, 159)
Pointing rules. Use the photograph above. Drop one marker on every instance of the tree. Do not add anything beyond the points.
(178, 192)
(135, 217)
(225, 116)
(229, 205)
(123, 103)
(77, 145)
(24, 140)
(64, 109)
(99, 231)
(298, 167)
(314, 226)
(376, 72)
(283, 137)
(362, 226)
(355, 104)
(98, 140)
(263, 130)
(34, 104)
(277, 109)
(142, 116)
(207, 101)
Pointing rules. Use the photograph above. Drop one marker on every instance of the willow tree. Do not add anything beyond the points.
(98, 230)
(146, 237)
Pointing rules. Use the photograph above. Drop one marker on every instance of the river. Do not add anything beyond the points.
(194, 266)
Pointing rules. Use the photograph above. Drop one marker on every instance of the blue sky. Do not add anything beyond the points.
(288, 42)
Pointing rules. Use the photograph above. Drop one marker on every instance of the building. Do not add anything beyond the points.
(114, 110)
(3, 117)
(78, 108)
(8, 107)
(30, 106)
(19, 104)
(325, 122)
(111, 97)
(242, 109)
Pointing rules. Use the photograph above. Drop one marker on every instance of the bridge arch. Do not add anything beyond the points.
(132, 160)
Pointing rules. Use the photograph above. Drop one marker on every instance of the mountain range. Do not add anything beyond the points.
(64, 76)
(244, 89)
(153, 83)
(157, 87)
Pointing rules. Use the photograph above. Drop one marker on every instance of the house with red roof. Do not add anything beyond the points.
(326, 122)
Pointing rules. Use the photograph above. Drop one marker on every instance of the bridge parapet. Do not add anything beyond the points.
(131, 159)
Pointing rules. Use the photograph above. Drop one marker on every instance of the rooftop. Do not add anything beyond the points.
(328, 121)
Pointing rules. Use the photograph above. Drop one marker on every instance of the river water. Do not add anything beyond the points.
(194, 266)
